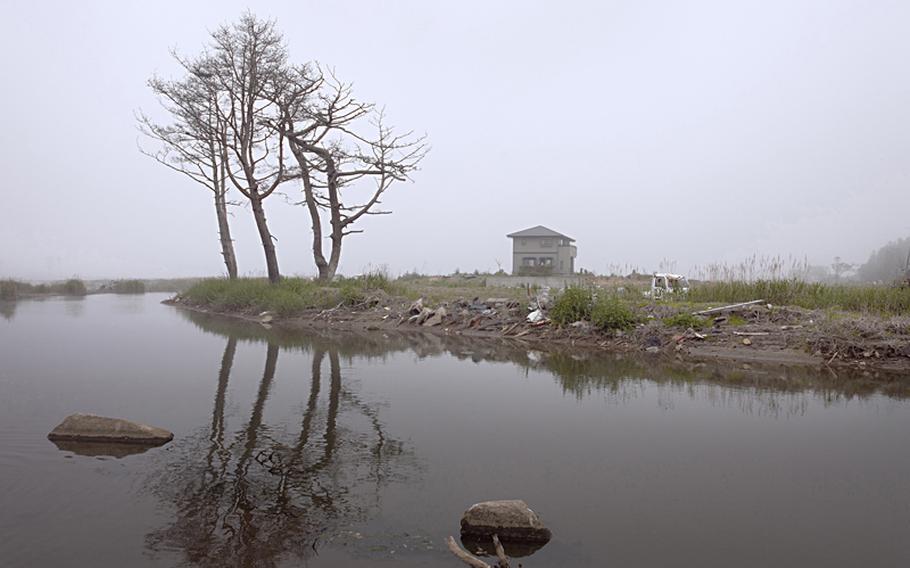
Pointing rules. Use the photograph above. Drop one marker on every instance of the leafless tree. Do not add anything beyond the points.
(248, 69)
(325, 129)
(192, 145)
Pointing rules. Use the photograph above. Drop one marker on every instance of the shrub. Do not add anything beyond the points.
(610, 313)
(572, 305)
(74, 287)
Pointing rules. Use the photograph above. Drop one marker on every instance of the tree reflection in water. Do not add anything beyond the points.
(257, 498)
(7, 309)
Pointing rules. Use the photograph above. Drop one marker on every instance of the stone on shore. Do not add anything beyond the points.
(509, 519)
(91, 428)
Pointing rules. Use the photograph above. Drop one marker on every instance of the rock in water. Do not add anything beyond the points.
(91, 428)
(510, 519)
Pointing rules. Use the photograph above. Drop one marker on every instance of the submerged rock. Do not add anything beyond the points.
(510, 519)
(91, 428)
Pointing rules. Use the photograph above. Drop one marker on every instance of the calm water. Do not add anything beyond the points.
(345, 450)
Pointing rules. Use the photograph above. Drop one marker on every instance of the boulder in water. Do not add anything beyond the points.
(91, 428)
(509, 519)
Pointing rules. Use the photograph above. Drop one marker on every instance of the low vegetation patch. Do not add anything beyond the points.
(13, 289)
(685, 320)
(290, 295)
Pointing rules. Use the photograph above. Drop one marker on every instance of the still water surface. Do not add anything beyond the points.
(330, 449)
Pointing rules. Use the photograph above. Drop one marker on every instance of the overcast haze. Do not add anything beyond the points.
(698, 132)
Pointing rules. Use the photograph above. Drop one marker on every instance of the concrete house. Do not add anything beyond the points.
(542, 251)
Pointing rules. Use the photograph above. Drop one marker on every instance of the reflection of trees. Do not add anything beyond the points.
(256, 497)
(581, 372)
(7, 310)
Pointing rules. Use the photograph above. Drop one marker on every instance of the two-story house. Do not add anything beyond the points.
(542, 251)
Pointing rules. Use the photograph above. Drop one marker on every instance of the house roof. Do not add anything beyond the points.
(538, 231)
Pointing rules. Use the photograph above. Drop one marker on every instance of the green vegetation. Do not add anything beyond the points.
(685, 320)
(886, 300)
(611, 313)
(8, 289)
(254, 294)
(288, 296)
(74, 287)
(606, 311)
(573, 304)
(13, 289)
(128, 287)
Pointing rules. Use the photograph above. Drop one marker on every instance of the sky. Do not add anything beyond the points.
(690, 132)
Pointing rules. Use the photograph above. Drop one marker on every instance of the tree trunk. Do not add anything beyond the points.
(313, 208)
(224, 233)
(334, 257)
(268, 247)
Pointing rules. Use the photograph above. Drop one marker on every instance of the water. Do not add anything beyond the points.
(363, 450)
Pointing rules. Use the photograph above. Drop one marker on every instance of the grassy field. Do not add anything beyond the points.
(867, 298)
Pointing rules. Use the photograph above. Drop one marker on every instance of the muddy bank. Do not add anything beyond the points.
(757, 334)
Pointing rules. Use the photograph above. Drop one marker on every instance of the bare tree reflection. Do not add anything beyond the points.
(7, 310)
(257, 498)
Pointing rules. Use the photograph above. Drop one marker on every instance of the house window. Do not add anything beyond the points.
(545, 261)
(546, 243)
(529, 261)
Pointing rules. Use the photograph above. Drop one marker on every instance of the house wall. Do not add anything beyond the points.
(561, 257)
(556, 282)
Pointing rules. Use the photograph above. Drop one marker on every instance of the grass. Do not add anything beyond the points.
(883, 300)
(290, 295)
(685, 320)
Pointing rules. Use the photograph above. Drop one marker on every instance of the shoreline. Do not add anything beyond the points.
(753, 343)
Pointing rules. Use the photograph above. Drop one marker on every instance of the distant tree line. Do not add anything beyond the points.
(244, 118)
(887, 263)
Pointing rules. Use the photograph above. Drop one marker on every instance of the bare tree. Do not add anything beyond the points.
(323, 124)
(247, 68)
(192, 145)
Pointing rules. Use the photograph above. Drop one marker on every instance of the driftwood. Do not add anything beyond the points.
(475, 562)
(465, 556)
(727, 308)
(325, 313)
(750, 333)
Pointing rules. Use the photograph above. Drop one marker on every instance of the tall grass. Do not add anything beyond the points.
(862, 298)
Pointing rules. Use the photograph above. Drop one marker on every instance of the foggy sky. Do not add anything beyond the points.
(692, 131)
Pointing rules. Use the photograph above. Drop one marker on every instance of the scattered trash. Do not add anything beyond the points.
(747, 341)
(536, 316)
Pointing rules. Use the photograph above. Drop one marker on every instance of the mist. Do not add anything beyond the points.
(647, 131)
